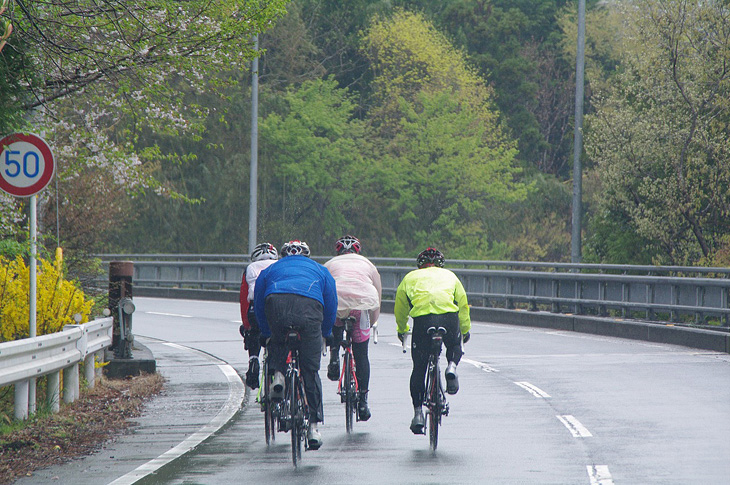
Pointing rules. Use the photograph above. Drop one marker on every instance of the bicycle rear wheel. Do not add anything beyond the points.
(434, 410)
(349, 386)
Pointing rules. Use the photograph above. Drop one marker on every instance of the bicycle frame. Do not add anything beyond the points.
(434, 398)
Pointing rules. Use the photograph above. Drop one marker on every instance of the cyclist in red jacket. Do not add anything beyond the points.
(262, 256)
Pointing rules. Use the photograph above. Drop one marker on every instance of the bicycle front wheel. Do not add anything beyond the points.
(349, 385)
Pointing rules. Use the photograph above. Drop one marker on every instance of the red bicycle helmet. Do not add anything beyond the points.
(348, 244)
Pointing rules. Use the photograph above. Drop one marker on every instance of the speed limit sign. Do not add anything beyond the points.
(26, 164)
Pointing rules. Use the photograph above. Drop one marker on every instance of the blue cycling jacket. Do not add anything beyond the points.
(297, 275)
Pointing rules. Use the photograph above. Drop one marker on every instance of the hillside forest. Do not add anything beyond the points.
(406, 123)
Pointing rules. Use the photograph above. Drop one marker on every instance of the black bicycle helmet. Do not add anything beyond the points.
(430, 257)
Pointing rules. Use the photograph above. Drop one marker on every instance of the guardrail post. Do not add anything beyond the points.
(71, 383)
(699, 301)
(673, 315)
(602, 296)
(509, 303)
(89, 371)
(120, 286)
(555, 306)
(21, 400)
(53, 391)
(625, 296)
(533, 294)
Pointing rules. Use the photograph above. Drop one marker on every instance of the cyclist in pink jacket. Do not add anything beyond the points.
(359, 291)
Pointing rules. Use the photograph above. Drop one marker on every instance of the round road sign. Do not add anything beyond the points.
(26, 164)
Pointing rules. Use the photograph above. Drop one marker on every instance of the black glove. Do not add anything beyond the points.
(329, 340)
(263, 340)
(242, 331)
(465, 338)
(401, 337)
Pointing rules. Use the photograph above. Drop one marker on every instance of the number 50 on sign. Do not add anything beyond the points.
(26, 164)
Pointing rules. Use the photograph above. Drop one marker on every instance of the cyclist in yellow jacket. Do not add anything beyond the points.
(432, 296)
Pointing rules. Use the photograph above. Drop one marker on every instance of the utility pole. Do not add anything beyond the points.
(575, 252)
(253, 188)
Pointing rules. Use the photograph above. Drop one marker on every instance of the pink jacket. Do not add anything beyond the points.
(358, 288)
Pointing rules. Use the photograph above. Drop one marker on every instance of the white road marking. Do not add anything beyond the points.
(236, 393)
(574, 426)
(534, 390)
(170, 314)
(480, 365)
(599, 475)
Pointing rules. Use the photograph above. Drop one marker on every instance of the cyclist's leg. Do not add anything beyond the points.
(420, 345)
(452, 341)
(277, 317)
(333, 368)
(362, 372)
(254, 348)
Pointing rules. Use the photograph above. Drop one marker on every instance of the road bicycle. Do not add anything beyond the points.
(293, 411)
(434, 398)
(348, 387)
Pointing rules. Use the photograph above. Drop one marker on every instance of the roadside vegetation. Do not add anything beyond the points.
(80, 428)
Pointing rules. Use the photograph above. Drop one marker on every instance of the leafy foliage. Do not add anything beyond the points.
(58, 299)
(659, 137)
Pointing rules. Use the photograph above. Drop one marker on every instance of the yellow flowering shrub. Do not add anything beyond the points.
(57, 300)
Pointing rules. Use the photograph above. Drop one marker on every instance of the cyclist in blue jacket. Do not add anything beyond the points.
(297, 292)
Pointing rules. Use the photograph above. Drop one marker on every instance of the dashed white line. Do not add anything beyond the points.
(170, 314)
(534, 390)
(599, 475)
(574, 426)
(480, 365)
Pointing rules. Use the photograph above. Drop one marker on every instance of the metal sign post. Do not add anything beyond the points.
(26, 168)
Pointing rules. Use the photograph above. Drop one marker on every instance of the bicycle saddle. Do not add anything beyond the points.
(293, 338)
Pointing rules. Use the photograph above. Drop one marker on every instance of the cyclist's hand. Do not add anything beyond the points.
(329, 340)
(401, 337)
(263, 340)
(466, 337)
(242, 331)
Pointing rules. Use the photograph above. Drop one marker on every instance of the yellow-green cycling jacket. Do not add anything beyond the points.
(433, 291)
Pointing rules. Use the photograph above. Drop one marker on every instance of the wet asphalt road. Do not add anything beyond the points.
(535, 407)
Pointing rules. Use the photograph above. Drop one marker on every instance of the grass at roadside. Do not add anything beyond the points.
(78, 429)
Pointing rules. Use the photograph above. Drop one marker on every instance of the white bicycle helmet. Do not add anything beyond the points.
(294, 248)
(264, 251)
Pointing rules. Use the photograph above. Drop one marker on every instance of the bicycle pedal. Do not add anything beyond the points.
(445, 411)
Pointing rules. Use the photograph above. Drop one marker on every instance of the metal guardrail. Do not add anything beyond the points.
(678, 294)
(30, 358)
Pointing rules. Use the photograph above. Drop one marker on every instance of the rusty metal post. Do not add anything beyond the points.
(120, 286)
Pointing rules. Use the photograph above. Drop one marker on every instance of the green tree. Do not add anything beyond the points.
(659, 136)
(445, 165)
(311, 157)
